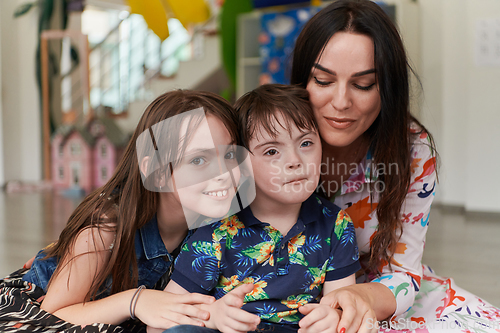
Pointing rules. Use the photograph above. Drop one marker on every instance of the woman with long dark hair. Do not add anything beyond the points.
(379, 164)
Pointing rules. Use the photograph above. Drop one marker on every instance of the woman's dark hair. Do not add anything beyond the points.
(258, 109)
(123, 205)
(390, 135)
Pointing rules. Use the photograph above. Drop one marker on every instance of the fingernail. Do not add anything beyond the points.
(342, 330)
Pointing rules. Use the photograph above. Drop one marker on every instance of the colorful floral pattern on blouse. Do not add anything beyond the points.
(287, 271)
(425, 301)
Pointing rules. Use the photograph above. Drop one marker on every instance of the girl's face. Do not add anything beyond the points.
(343, 89)
(207, 175)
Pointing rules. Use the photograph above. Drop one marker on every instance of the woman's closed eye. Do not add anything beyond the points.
(325, 83)
(362, 87)
(321, 82)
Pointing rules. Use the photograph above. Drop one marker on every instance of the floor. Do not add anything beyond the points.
(459, 245)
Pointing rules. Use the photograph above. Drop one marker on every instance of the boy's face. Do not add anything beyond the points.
(286, 167)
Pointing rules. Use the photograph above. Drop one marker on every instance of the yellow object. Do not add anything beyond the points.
(315, 3)
(154, 14)
(192, 11)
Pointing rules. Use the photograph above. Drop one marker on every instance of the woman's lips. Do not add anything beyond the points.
(339, 123)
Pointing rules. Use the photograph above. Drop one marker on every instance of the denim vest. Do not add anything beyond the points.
(154, 262)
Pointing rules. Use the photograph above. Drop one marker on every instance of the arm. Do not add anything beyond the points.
(394, 291)
(202, 274)
(323, 317)
(66, 296)
(67, 290)
(340, 272)
(330, 286)
(226, 314)
(403, 278)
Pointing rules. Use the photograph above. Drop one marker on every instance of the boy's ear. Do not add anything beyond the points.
(143, 166)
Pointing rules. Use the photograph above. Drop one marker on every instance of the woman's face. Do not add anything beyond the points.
(343, 89)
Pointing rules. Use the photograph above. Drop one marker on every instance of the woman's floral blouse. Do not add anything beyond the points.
(425, 301)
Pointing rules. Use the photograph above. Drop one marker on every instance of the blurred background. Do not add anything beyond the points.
(75, 76)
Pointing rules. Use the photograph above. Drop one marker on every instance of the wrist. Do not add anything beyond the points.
(210, 323)
(381, 299)
(136, 293)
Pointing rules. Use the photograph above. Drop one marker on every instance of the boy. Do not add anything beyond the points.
(266, 263)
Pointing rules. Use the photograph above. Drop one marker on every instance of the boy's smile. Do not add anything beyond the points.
(285, 166)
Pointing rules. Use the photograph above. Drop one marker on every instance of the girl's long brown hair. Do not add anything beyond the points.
(390, 137)
(123, 205)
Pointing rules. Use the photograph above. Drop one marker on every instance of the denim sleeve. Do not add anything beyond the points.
(41, 270)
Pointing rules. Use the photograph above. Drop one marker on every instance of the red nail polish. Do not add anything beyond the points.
(342, 330)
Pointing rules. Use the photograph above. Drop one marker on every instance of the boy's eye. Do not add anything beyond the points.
(306, 144)
(271, 152)
(198, 161)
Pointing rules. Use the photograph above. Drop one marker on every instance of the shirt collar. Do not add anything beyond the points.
(309, 212)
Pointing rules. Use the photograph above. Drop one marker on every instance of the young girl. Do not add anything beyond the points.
(127, 233)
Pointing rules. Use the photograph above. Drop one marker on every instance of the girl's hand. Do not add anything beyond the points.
(319, 318)
(29, 263)
(356, 301)
(227, 316)
(163, 310)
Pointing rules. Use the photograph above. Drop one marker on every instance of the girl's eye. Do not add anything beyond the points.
(365, 88)
(321, 83)
(306, 144)
(271, 152)
(230, 155)
(198, 161)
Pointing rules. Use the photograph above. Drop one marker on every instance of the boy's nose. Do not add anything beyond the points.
(294, 162)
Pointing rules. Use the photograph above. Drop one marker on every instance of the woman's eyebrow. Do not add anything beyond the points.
(358, 74)
(321, 68)
(368, 71)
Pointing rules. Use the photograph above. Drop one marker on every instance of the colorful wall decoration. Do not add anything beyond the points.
(277, 39)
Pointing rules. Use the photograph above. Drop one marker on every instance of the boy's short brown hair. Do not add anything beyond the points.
(257, 109)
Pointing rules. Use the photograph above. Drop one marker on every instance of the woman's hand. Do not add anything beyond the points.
(319, 318)
(163, 310)
(227, 316)
(362, 306)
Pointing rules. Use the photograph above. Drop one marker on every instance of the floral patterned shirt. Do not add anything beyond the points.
(354, 197)
(287, 271)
